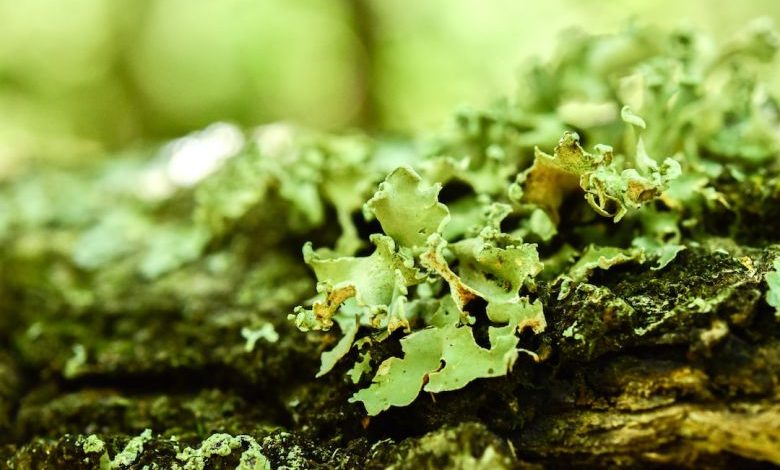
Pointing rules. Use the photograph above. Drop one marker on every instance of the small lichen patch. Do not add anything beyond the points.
(773, 293)
(92, 444)
(266, 332)
(132, 450)
(75, 363)
(223, 445)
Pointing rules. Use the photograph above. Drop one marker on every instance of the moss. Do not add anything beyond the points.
(148, 329)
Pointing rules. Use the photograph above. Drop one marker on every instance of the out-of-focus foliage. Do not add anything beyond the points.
(90, 75)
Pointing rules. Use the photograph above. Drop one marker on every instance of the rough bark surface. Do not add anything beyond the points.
(677, 367)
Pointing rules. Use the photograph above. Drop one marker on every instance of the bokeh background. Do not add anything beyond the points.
(84, 78)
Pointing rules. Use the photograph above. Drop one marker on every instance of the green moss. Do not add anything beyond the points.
(472, 265)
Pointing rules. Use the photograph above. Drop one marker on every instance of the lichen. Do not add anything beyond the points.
(266, 332)
(773, 293)
(444, 268)
(373, 292)
(537, 266)
(131, 451)
(223, 445)
(93, 444)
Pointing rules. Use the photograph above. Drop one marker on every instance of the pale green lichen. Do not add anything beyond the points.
(92, 444)
(131, 451)
(454, 273)
(76, 362)
(601, 257)
(349, 328)
(476, 224)
(408, 210)
(664, 253)
(373, 292)
(361, 367)
(366, 285)
(223, 445)
(266, 332)
(609, 190)
(398, 380)
(596, 257)
(454, 256)
(773, 293)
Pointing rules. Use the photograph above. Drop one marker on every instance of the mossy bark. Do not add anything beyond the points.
(639, 368)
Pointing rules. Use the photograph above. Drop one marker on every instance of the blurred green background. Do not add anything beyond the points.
(82, 77)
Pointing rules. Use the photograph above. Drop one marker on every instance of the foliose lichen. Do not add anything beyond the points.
(446, 270)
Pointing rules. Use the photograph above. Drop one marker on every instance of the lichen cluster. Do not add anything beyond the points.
(601, 248)
(442, 274)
